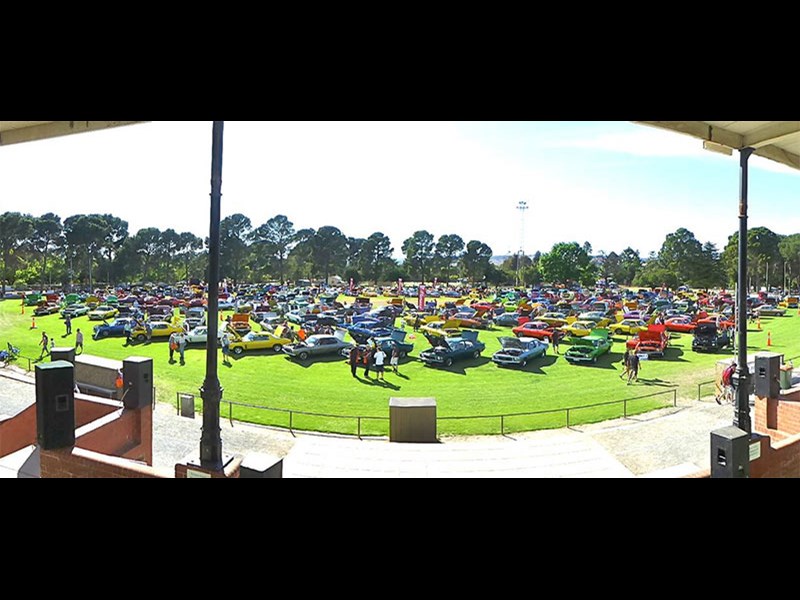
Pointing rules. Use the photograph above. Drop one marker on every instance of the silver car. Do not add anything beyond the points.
(318, 345)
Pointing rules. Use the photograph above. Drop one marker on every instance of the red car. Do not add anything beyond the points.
(536, 329)
(652, 341)
(680, 324)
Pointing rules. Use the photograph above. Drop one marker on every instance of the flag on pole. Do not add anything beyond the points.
(421, 299)
(351, 286)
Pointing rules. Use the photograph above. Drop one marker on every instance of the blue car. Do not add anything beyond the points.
(114, 329)
(445, 350)
(516, 352)
(507, 319)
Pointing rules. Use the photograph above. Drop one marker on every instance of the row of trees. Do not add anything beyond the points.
(98, 247)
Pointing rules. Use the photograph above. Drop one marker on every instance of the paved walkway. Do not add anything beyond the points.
(667, 443)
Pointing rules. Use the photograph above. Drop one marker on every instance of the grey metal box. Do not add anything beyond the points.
(730, 453)
(412, 420)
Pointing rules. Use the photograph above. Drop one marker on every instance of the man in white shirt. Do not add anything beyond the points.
(380, 358)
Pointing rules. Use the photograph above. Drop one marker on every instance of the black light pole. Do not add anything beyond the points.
(211, 392)
(741, 377)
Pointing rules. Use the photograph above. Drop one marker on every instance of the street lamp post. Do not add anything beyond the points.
(211, 392)
(522, 206)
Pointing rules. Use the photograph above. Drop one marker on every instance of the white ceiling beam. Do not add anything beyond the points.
(55, 129)
(769, 134)
(779, 155)
(702, 130)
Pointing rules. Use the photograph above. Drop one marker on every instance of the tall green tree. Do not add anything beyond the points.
(630, 264)
(46, 237)
(234, 234)
(328, 250)
(682, 254)
(189, 246)
(115, 233)
(275, 239)
(568, 262)
(85, 235)
(789, 248)
(376, 256)
(475, 261)
(15, 230)
(448, 250)
(418, 251)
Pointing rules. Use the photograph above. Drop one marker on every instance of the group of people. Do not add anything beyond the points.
(630, 365)
(373, 357)
(47, 343)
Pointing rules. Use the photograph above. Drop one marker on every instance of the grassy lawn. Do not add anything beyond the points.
(475, 388)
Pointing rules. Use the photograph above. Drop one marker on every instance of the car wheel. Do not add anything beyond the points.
(141, 337)
(402, 355)
(523, 364)
(277, 348)
(238, 350)
(102, 334)
(594, 360)
(476, 354)
(303, 356)
(448, 362)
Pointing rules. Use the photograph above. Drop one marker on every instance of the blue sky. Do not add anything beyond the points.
(612, 183)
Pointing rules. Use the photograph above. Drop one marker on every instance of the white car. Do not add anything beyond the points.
(199, 335)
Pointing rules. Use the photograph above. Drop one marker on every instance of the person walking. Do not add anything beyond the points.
(44, 342)
(633, 367)
(380, 358)
(173, 345)
(181, 338)
(226, 347)
(68, 323)
(394, 361)
(555, 339)
(355, 356)
(148, 328)
(625, 360)
(128, 328)
(79, 342)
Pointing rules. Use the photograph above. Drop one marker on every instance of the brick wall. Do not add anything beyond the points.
(86, 464)
(18, 431)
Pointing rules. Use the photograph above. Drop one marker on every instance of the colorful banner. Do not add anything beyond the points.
(399, 286)
(421, 301)
(351, 285)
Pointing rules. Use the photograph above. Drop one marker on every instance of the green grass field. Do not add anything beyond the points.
(476, 388)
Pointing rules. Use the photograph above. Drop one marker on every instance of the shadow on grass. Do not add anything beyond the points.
(534, 365)
(655, 381)
(460, 367)
(674, 354)
(312, 360)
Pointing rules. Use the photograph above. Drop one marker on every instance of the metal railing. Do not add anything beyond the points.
(359, 419)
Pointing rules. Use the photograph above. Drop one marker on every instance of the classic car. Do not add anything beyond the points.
(419, 319)
(102, 313)
(445, 350)
(75, 310)
(240, 323)
(259, 340)
(536, 329)
(318, 345)
(628, 327)
(513, 319)
(680, 324)
(517, 352)
(589, 348)
(579, 328)
(114, 329)
(709, 337)
(470, 321)
(46, 309)
(387, 343)
(449, 328)
(652, 341)
(554, 319)
(160, 330)
(599, 318)
(767, 310)
(301, 317)
(199, 334)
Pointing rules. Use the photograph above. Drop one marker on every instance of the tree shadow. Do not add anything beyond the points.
(460, 367)
(674, 353)
(312, 360)
(655, 382)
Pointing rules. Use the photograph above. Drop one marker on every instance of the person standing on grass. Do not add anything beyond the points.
(380, 357)
(182, 346)
(355, 356)
(173, 345)
(625, 360)
(366, 356)
(633, 367)
(68, 323)
(555, 339)
(395, 360)
(44, 343)
(226, 347)
(79, 342)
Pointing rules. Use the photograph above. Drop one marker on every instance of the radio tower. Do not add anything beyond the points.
(522, 206)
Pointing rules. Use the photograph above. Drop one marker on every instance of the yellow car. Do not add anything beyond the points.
(259, 340)
(160, 330)
(579, 328)
(410, 319)
(101, 313)
(628, 327)
(554, 319)
(447, 328)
